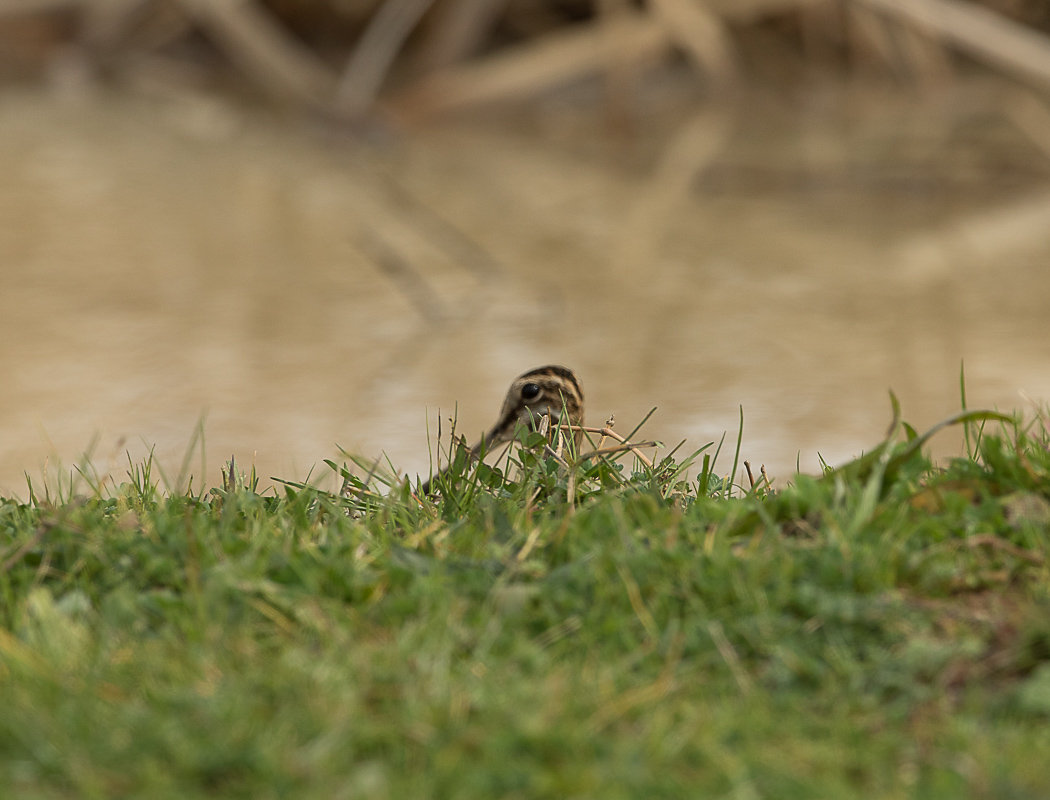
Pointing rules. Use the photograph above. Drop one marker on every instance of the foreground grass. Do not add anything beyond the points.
(882, 631)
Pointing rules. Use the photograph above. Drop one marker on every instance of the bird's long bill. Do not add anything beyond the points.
(500, 434)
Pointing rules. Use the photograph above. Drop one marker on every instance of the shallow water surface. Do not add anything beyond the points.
(164, 258)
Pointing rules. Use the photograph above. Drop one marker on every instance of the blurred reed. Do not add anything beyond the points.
(412, 59)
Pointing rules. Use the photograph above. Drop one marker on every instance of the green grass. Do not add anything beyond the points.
(881, 631)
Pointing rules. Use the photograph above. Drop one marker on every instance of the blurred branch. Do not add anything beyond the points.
(872, 39)
(621, 74)
(927, 58)
(702, 35)
(582, 51)
(909, 52)
(375, 52)
(535, 66)
(978, 31)
(458, 32)
(278, 63)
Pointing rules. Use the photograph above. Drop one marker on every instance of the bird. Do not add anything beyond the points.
(548, 391)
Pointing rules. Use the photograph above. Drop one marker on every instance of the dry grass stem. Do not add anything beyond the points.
(630, 447)
(729, 655)
(530, 543)
(608, 425)
(610, 433)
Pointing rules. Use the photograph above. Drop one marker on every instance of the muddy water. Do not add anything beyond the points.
(168, 257)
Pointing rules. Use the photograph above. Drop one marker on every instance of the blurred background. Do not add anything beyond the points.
(319, 222)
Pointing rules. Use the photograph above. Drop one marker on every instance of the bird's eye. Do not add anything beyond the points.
(530, 391)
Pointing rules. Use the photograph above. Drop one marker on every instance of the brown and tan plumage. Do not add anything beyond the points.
(549, 391)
